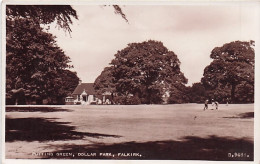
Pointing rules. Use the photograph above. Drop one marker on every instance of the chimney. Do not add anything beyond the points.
(80, 81)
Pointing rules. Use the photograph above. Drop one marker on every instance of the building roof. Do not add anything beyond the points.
(88, 87)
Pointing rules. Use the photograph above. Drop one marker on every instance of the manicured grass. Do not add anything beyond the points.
(154, 131)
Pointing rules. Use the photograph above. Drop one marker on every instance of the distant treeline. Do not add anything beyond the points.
(148, 73)
(37, 69)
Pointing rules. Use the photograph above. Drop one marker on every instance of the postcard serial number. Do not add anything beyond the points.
(238, 155)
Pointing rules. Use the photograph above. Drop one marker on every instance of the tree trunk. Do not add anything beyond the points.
(112, 99)
(147, 95)
(233, 88)
(39, 101)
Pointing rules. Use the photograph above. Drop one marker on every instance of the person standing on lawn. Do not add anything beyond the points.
(216, 104)
(206, 104)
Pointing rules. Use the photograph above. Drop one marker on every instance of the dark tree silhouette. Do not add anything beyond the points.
(143, 72)
(43, 14)
(35, 64)
(232, 66)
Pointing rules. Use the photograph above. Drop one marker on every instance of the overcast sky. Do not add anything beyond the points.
(191, 32)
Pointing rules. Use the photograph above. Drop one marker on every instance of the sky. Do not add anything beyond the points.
(190, 31)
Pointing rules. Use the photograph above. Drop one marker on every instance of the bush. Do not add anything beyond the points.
(133, 100)
(93, 103)
(78, 103)
(127, 100)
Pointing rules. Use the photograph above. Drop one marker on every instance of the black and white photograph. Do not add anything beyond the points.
(130, 81)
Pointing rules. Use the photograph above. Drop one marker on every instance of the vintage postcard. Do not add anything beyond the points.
(129, 81)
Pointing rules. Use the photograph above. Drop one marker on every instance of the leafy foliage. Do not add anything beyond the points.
(119, 11)
(43, 14)
(197, 93)
(142, 70)
(179, 94)
(232, 66)
(35, 65)
(62, 85)
(104, 82)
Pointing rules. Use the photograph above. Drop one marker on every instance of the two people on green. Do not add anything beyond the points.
(213, 103)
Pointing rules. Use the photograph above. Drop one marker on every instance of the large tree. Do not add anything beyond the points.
(231, 68)
(36, 66)
(62, 85)
(104, 82)
(34, 62)
(142, 71)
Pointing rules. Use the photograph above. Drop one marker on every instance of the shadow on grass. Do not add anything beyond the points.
(35, 109)
(246, 115)
(189, 148)
(42, 129)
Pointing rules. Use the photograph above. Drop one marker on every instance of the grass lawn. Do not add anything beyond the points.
(177, 132)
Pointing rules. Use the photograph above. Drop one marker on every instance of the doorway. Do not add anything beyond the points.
(84, 98)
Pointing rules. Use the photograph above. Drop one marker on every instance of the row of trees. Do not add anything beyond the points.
(148, 73)
(37, 68)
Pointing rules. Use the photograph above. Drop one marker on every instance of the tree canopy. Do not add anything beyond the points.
(104, 82)
(35, 64)
(43, 14)
(232, 67)
(142, 71)
(37, 68)
(46, 14)
(118, 10)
